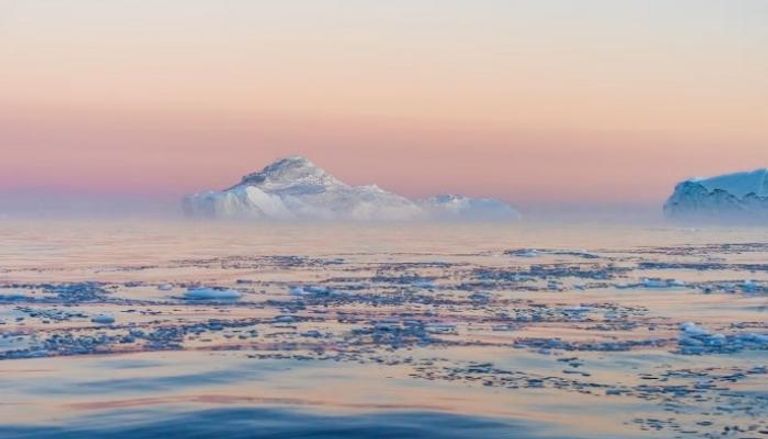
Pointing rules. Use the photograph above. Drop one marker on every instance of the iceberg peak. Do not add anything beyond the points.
(289, 171)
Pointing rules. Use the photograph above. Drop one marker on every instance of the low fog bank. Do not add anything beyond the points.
(593, 213)
(135, 208)
(33, 204)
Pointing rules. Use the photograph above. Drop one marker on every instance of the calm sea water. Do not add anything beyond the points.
(387, 331)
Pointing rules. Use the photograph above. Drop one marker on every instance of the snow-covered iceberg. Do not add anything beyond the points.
(294, 188)
(739, 196)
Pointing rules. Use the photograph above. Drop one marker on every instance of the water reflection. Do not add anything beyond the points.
(284, 424)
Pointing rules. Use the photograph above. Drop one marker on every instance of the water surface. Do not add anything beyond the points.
(447, 331)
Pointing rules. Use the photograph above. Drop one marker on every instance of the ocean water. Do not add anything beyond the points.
(382, 331)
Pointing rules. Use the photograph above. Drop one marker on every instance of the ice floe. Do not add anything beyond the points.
(211, 294)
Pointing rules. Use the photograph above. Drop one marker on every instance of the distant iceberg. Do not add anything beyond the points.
(740, 196)
(294, 188)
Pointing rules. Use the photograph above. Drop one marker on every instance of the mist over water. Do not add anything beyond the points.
(44, 204)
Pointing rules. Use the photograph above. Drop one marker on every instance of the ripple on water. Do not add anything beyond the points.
(276, 423)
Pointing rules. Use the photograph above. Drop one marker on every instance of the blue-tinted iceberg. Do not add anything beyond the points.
(738, 196)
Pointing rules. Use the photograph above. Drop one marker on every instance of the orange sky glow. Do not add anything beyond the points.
(528, 101)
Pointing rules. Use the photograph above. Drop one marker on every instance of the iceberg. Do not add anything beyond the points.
(295, 189)
(737, 196)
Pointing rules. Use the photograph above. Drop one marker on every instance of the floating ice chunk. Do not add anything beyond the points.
(662, 283)
(695, 340)
(103, 319)
(758, 339)
(440, 328)
(387, 325)
(524, 253)
(717, 340)
(423, 283)
(12, 297)
(577, 309)
(749, 286)
(318, 290)
(693, 329)
(284, 318)
(211, 294)
(481, 297)
(311, 290)
(654, 283)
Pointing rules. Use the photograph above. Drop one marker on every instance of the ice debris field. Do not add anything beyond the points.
(642, 341)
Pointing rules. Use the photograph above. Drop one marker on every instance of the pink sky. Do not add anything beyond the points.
(517, 100)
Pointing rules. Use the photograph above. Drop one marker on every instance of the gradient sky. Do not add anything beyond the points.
(529, 101)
